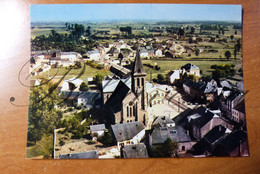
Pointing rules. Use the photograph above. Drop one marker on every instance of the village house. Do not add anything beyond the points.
(234, 144)
(98, 129)
(211, 91)
(94, 55)
(202, 121)
(81, 155)
(88, 99)
(208, 143)
(128, 133)
(135, 151)
(158, 53)
(160, 134)
(191, 69)
(156, 93)
(173, 76)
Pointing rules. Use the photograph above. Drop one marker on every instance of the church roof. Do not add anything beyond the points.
(138, 67)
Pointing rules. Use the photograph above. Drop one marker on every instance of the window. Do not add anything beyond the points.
(130, 111)
(142, 81)
(183, 148)
(138, 82)
(127, 110)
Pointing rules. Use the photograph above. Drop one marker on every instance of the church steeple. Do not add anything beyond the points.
(138, 67)
(139, 80)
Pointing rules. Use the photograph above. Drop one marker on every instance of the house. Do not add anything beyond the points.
(169, 54)
(173, 76)
(235, 144)
(135, 151)
(158, 53)
(191, 69)
(156, 93)
(211, 91)
(202, 121)
(71, 56)
(230, 108)
(209, 142)
(88, 98)
(163, 121)
(128, 133)
(238, 112)
(82, 155)
(94, 55)
(178, 134)
(72, 84)
(98, 129)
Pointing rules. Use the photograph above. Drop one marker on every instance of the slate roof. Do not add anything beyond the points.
(116, 99)
(211, 87)
(81, 155)
(177, 134)
(135, 151)
(110, 85)
(182, 116)
(126, 131)
(162, 121)
(225, 84)
(240, 106)
(98, 127)
(204, 116)
(138, 67)
(232, 141)
(215, 134)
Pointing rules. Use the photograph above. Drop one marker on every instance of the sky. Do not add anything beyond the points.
(103, 12)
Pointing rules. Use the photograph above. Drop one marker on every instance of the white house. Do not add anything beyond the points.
(173, 76)
(94, 55)
(158, 52)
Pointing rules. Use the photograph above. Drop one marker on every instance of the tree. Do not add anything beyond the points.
(231, 36)
(98, 80)
(106, 139)
(227, 54)
(197, 52)
(43, 117)
(166, 149)
(192, 30)
(83, 86)
(160, 78)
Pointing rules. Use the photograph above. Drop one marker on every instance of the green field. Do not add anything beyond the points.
(168, 65)
(59, 72)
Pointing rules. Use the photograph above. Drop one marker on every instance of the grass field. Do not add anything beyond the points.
(89, 72)
(168, 65)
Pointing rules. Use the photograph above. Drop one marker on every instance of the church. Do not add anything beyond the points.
(126, 99)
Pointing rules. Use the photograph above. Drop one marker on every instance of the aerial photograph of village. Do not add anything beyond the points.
(136, 81)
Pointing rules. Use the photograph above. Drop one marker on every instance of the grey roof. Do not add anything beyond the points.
(215, 134)
(205, 116)
(138, 67)
(127, 131)
(233, 140)
(98, 127)
(177, 134)
(225, 84)
(110, 85)
(162, 120)
(211, 87)
(116, 99)
(81, 155)
(135, 151)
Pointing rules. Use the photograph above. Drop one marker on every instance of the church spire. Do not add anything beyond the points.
(138, 67)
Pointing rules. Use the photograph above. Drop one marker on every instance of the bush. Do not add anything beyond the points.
(62, 142)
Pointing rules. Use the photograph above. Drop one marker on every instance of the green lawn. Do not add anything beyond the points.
(167, 65)
(89, 72)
